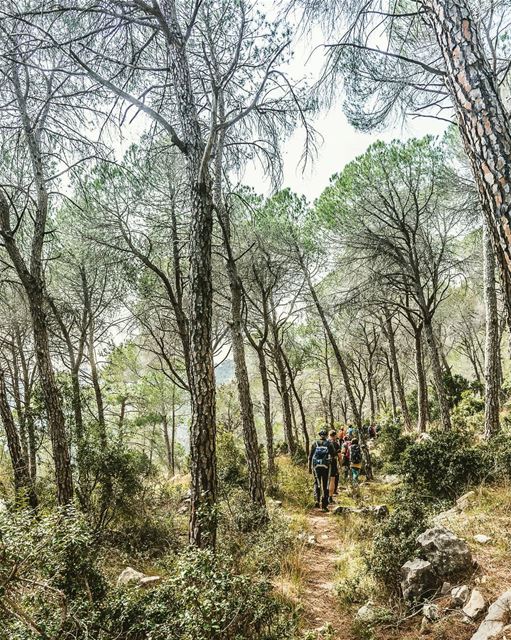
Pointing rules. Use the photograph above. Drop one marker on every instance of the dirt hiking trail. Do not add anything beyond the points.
(319, 598)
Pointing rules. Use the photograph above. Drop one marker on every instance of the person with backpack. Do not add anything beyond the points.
(345, 458)
(321, 455)
(355, 461)
(334, 466)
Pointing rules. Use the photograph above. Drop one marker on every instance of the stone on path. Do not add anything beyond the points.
(465, 500)
(446, 588)
(431, 611)
(496, 619)
(475, 606)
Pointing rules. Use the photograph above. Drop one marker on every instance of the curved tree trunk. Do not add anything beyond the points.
(492, 345)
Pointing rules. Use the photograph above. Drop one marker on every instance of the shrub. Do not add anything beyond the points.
(395, 540)
(201, 600)
(294, 483)
(231, 462)
(468, 414)
(445, 464)
(393, 442)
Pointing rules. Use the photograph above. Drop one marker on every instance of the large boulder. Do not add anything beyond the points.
(419, 580)
(497, 618)
(447, 553)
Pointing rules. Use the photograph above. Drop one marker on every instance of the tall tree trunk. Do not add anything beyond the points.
(422, 387)
(255, 474)
(437, 371)
(23, 485)
(390, 335)
(492, 345)
(303, 420)
(203, 519)
(268, 425)
(482, 119)
(284, 390)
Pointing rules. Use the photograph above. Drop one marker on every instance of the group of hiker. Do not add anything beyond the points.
(333, 454)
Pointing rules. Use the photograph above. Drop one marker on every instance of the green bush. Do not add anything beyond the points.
(392, 443)
(395, 539)
(468, 414)
(444, 464)
(202, 600)
(231, 462)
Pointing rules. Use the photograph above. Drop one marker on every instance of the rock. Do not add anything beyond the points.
(446, 516)
(431, 611)
(367, 612)
(149, 581)
(391, 479)
(496, 620)
(460, 595)
(130, 575)
(308, 539)
(274, 503)
(419, 579)
(447, 553)
(425, 626)
(446, 588)
(475, 606)
(378, 511)
(465, 500)
(482, 539)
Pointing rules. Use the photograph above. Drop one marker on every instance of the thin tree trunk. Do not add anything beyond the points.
(422, 389)
(492, 345)
(166, 439)
(268, 425)
(437, 371)
(23, 485)
(255, 474)
(390, 335)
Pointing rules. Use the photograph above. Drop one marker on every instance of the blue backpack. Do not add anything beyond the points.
(321, 457)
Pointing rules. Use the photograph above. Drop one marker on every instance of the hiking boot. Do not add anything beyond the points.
(316, 505)
(324, 510)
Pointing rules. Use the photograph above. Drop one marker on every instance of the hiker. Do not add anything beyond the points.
(341, 435)
(355, 461)
(320, 457)
(350, 432)
(334, 466)
(345, 458)
(371, 432)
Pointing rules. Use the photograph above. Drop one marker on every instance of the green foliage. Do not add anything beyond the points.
(201, 600)
(112, 481)
(468, 414)
(294, 483)
(392, 443)
(394, 541)
(444, 464)
(231, 462)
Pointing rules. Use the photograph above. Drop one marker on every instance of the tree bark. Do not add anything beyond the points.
(492, 344)
(422, 388)
(284, 389)
(23, 484)
(255, 474)
(482, 119)
(268, 425)
(437, 370)
(390, 335)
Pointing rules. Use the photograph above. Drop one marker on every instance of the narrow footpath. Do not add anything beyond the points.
(319, 598)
